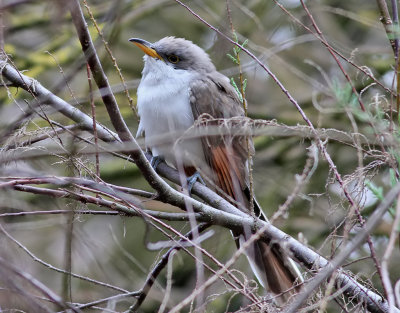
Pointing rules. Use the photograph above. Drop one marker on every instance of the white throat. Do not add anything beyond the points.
(165, 112)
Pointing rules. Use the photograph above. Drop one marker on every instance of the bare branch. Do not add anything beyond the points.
(105, 300)
(48, 265)
(310, 259)
(97, 70)
(160, 265)
(100, 202)
(38, 285)
(386, 259)
(387, 23)
(47, 97)
(373, 302)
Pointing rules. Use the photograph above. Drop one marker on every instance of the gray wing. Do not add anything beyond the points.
(212, 96)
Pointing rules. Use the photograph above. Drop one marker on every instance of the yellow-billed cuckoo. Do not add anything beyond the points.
(180, 83)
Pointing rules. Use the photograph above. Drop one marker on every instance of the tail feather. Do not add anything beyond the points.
(273, 268)
(277, 273)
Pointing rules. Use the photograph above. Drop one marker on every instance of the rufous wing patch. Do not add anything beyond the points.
(227, 172)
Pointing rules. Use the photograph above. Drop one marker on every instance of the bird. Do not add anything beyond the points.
(180, 86)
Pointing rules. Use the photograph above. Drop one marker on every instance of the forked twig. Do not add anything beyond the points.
(159, 267)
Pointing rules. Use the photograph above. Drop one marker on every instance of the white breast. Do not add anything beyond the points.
(165, 113)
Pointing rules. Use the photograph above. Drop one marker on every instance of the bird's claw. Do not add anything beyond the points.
(155, 161)
(192, 180)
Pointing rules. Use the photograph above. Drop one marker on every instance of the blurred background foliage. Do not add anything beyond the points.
(40, 39)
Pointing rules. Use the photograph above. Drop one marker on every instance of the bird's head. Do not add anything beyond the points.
(177, 53)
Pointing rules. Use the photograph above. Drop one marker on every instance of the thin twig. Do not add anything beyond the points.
(386, 259)
(321, 35)
(321, 145)
(110, 54)
(97, 70)
(220, 217)
(38, 286)
(93, 107)
(338, 53)
(152, 276)
(105, 300)
(348, 196)
(48, 265)
(36, 139)
(375, 303)
(387, 22)
(44, 95)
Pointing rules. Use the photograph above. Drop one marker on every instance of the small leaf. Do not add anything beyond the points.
(377, 191)
(393, 179)
(235, 37)
(233, 58)
(234, 84)
(236, 89)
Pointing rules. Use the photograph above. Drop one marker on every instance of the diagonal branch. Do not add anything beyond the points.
(97, 70)
(159, 266)
(373, 301)
(167, 193)
(49, 294)
(45, 96)
(303, 254)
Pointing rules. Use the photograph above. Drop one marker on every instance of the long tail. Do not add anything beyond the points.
(273, 268)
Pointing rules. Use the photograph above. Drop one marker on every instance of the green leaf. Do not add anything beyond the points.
(244, 84)
(234, 60)
(377, 191)
(393, 179)
(236, 89)
(235, 37)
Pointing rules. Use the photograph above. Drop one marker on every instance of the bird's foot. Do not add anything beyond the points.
(155, 161)
(192, 179)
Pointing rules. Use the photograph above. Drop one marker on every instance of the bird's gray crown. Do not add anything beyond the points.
(191, 56)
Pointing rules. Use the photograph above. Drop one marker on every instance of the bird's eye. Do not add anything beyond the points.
(173, 58)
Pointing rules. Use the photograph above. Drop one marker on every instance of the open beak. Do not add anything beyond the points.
(146, 47)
